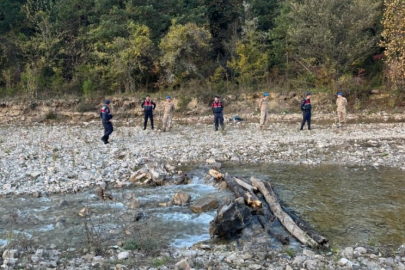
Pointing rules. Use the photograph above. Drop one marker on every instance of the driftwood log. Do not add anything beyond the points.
(249, 197)
(284, 218)
(245, 185)
(322, 241)
(217, 175)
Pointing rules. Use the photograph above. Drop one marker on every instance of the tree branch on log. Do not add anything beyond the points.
(284, 218)
(250, 198)
(245, 185)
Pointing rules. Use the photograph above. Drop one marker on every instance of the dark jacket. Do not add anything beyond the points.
(105, 114)
(306, 105)
(217, 107)
(148, 105)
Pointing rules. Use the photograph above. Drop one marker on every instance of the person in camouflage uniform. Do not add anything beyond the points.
(264, 110)
(168, 114)
(341, 103)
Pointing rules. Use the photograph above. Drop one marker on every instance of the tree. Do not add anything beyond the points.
(10, 15)
(265, 12)
(184, 52)
(251, 61)
(133, 60)
(223, 19)
(334, 36)
(394, 41)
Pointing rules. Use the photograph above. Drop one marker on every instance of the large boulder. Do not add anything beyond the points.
(181, 198)
(204, 204)
(231, 219)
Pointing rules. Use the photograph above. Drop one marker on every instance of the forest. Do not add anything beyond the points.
(86, 48)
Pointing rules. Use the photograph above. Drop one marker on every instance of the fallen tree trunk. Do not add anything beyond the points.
(284, 218)
(284, 239)
(250, 198)
(311, 232)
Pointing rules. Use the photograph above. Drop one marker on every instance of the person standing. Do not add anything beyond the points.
(306, 108)
(168, 114)
(106, 116)
(264, 110)
(217, 108)
(148, 107)
(341, 103)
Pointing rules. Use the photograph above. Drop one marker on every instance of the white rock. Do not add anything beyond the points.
(361, 250)
(343, 261)
(308, 253)
(123, 255)
(35, 259)
(255, 267)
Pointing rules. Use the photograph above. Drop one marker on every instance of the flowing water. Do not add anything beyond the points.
(348, 205)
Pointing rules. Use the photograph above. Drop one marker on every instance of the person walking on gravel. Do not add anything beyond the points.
(306, 108)
(217, 108)
(106, 116)
(264, 109)
(148, 107)
(341, 103)
(168, 114)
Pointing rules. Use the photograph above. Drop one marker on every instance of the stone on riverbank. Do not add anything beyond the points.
(204, 204)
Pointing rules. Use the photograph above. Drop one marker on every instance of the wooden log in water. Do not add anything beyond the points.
(217, 175)
(245, 185)
(322, 241)
(284, 218)
(250, 198)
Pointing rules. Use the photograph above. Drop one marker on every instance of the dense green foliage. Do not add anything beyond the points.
(98, 47)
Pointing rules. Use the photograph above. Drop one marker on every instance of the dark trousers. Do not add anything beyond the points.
(306, 117)
(108, 129)
(148, 114)
(219, 120)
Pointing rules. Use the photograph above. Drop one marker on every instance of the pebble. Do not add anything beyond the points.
(123, 255)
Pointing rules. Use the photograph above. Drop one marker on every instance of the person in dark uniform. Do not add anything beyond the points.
(217, 108)
(148, 106)
(306, 111)
(106, 116)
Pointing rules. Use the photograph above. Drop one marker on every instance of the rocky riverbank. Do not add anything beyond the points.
(63, 158)
(211, 257)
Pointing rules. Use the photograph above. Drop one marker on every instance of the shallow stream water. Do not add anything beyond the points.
(348, 205)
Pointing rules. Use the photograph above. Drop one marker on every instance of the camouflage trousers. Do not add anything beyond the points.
(341, 117)
(167, 121)
(263, 117)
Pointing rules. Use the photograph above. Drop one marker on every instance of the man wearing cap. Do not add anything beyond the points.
(341, 103)
(168, 114)
(217, 108)
(148, 106)
(106, 116)
(306, 108)
(264, 109)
